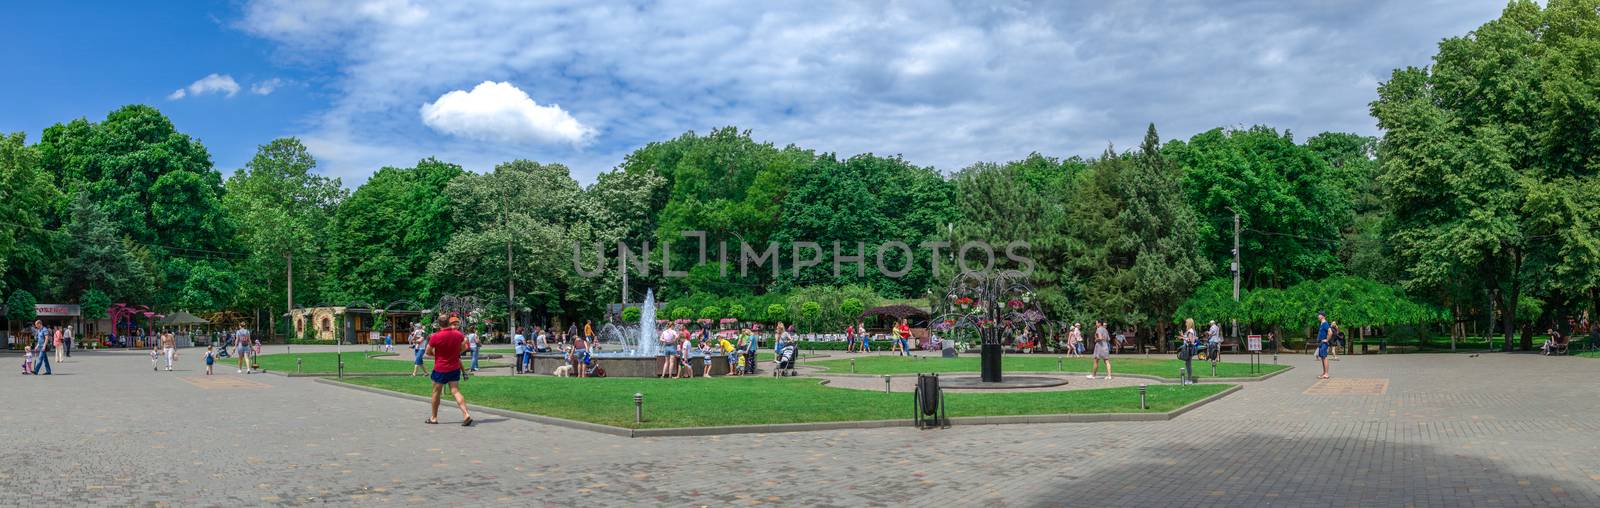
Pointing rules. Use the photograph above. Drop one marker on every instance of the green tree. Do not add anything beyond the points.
(852, 308)
(1027, 200)
(711, 312)
(630, 315)
(736, 312)
(777, 312)
(283, 211)
(387, 231)
(25, 247)
(1489, 156)
(98, 260)
(21, 309)
(810, 311)
(93, 305)
(1212, 300)
(1291, 205)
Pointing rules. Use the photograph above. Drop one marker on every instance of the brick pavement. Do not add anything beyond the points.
(1499, 430)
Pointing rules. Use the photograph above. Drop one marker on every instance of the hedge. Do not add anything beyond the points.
(838, 345)
(312, 342)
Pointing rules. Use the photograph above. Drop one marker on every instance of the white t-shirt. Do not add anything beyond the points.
(669, 337)
(539, 342)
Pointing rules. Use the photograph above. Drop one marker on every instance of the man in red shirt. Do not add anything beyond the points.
(446, 346)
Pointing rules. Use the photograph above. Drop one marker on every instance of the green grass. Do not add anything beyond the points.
(355, 361)
(764, 356)
(1587, 354)
(1234, 366)
(769, 400)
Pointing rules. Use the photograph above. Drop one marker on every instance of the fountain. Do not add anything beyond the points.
(627, 350)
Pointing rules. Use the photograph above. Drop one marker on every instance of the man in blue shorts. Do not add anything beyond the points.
(446, 346)
(1322, 342)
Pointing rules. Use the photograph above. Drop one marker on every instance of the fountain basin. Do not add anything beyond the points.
(621, 365)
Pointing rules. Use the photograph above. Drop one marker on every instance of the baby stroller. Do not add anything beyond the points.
(785, 361)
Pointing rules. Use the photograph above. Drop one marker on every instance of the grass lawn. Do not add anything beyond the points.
(1588, 354)
(355, 361)
(765, 356)
(767, 400)
(1235, 366)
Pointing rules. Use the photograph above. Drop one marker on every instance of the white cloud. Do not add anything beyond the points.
(266, 87)
(501, 112)
(943, 82)
(213, 83)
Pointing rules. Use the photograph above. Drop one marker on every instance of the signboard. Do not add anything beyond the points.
(56, 310)
(1253, 343)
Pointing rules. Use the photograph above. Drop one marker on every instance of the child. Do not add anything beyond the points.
(155, 356)
(27, 361)
(705, 353)
(255, 355)
(211, 357)
(685, 368)
(732, 354)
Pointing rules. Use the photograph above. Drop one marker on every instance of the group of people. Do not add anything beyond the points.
(857, 338)
(679, 347)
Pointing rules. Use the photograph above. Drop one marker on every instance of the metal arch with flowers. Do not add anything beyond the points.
(989, 305)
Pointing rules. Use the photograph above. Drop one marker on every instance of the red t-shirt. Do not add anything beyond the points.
(903, 331)
(447, 345)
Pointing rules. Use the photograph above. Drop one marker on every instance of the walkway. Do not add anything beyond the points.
(1438, 430)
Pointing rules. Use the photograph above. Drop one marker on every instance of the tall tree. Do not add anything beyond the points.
(1481, 152)
(97, 259)
(387, 231)
(25, 245)
(1027, 200)
(1290, 203)
(284, 213)
(1159, 233)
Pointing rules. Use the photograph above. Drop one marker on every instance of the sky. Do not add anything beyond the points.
(373, 83)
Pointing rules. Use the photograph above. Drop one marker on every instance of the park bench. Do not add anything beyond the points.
(1559, 345)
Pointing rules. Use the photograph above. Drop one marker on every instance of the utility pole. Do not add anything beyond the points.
(511, 284)
(1236, 267)
(288, 285)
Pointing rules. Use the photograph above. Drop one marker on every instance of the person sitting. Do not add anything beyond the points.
(1554, 345)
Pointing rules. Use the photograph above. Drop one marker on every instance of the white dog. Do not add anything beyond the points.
(564, 371)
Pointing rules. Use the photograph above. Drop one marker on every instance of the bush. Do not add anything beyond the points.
(304, 342)
(711, 312)
(682, 313)
(630, 314)
(838, 345)
(776, 312)
(735, 311)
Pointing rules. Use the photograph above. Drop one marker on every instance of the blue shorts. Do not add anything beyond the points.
(1322, 350)
(418, 360)
(669, 351)
(440, 378)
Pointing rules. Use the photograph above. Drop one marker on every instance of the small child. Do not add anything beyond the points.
(705, 353)
(685, 367)
(155, 356)
(255, 355)
(27, 361)
(211, 357)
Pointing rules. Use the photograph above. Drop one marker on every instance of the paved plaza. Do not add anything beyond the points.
(1397, 430)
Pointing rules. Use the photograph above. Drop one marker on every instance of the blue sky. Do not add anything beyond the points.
(371, 83)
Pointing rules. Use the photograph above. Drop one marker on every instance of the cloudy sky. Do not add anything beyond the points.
(944, 83)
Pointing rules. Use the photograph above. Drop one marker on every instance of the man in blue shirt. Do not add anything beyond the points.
(1322, 342)
(41, 340)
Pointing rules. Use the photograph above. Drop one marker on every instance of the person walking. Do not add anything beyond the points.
(1335, 341)
(850, 338)
(1324, 330)
(1075, 341)
(419, 347)
(446, 346)
(1190, 343)
(68, 340)
(169, 346)
(1102, 349)
(211, 358)
(56, 339)
(41, 342)
(241, 342)
(902, 333)
(472, 342)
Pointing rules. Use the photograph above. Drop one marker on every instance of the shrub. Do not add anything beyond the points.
(630, 314)
(776, 312)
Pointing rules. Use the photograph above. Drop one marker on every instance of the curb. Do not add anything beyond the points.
(1162, 380)
(804, 427)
